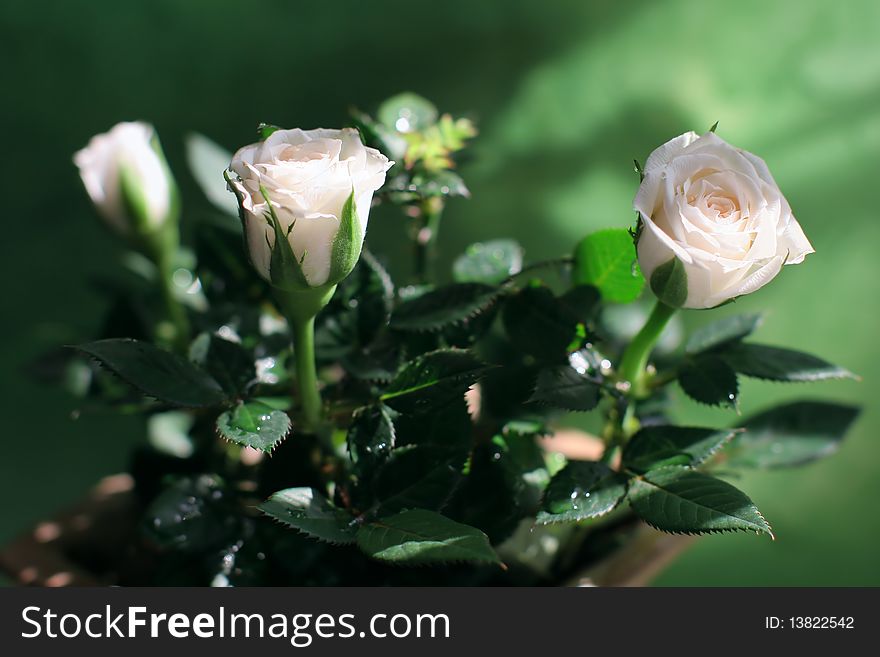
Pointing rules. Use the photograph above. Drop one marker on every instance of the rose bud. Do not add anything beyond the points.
(125, 174)
(714, 224)
(304, 198)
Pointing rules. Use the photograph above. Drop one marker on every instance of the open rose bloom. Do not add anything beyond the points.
(718, 211)
(308, 175)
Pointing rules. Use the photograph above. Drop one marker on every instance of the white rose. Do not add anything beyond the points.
(127, 178)
(715, 225)
(308, 175)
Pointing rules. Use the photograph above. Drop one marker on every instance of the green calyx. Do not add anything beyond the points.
(302, 305)
(141, 224)
(670, 284)
(347, 244)
(285, 269)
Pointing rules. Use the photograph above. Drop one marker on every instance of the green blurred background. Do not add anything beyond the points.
(566, 94)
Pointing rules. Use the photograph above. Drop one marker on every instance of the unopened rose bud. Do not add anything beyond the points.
(320, 184)
(125, 174)
(715, 225)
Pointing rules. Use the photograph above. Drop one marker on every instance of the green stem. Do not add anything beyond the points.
(300, 308)
(306, 373)
(162, 249)
(635, 358)
(426, 237)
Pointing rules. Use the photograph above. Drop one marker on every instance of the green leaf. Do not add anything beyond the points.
(447, 426)
(306, 510)
(191, 515)
(656, 446)
(433, 379)
(493, 497)
(450, 304)
(723, 331)
(709, 380)
(541, 325)
(581, 490)
(417, 477)
(356, 313)
(438, 183)
(779, 364)
(371, 435)
(791, 434)
(583, 301)
(419, 537)
(347, 244)
(562, 386)
(488, 262)
(407, 112)
(607, 260)
(155, 372)
(254, 424)
(228, 362)
(207, 162)
(669, 283)
(682, 501)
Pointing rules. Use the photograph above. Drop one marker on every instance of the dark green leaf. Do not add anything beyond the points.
(254, 424)
(488, 262)
(682, 501)
(581, 490)
(791, 434)
(207, 162)
(655, 446)
(669, 283)
(447, 305)
(356, 314)
(445, 427)
(156, 372)
(778, 364)
(373, 364)
(606, 259)
(419, 536)
(417, 477)
(228, 362)
(709, 380)
(562, 386)
(191, 515)
(541, 325)
(310, 512)
(433, 380)
(469, 332)
(582, 301)
(493, 496)
(370, 436)
(722, 331)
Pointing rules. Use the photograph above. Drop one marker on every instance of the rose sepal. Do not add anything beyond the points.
(348, 242)
(669, 283)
